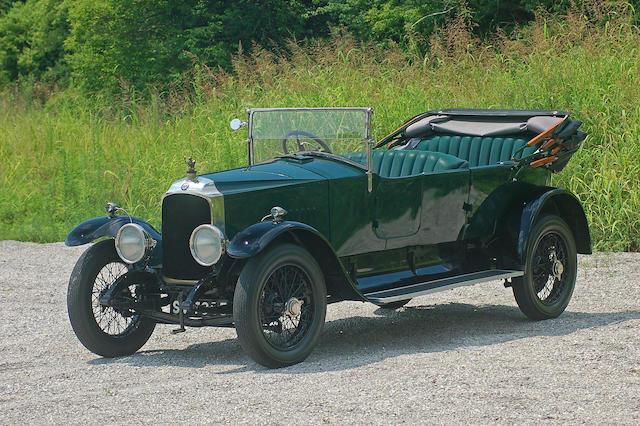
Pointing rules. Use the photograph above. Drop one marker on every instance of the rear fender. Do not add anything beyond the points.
(562, 203)
(107, 226)
(254, 239)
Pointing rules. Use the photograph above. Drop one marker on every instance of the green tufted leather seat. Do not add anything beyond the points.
(478, 151)
(399, 163)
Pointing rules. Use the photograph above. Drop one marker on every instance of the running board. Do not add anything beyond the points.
(415, 290)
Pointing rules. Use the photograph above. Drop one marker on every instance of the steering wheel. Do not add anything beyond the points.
(296, 134)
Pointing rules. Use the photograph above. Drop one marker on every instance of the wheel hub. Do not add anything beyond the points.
(293, 307)
(558, 269)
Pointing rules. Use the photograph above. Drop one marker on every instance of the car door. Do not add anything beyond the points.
(444, 205)
(412, 216)
(398, 206)
(422, 210)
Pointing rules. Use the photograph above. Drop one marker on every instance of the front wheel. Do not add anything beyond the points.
(103, 330)
(550, 270)
(279, 306)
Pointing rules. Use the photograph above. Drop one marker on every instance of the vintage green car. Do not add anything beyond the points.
(322, 213)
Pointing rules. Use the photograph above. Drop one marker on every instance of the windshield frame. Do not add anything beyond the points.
(369, 141)
(251, 111)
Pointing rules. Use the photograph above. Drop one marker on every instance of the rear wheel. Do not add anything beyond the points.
(103, 330)
(279, 306)
(550, 270)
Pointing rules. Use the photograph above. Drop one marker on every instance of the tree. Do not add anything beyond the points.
(146, 42)
(136, 41)
(32, 35)
(5, 5)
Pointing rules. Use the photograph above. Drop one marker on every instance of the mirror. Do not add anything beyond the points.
(236, 123)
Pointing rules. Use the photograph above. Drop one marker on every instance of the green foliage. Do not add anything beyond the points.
(136, 45)
(122, 43)
(221, 28)
(383, 20)
(493, 14)
(6, 5)
(60, 163)
(400, 21)
(145, 43)
(31, 40)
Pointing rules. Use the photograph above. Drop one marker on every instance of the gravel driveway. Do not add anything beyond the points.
(463, 356)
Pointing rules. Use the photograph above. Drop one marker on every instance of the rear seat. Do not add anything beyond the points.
(401, 163)
(478, 151)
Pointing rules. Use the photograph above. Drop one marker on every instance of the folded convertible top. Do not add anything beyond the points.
(482, 123)
(555, 136)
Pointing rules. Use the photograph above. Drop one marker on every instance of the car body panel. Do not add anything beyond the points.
(397, 208)
(258, 236)
(269, 174)
(494, 189)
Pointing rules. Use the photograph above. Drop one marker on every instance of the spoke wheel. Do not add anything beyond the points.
(279, 305)
(550, 270)
(286, 307)
(110, 321)
(105, 331)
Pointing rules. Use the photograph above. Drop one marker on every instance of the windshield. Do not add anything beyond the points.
(275, 132)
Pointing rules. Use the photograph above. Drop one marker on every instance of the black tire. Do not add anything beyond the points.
(97, 268)
(392, 306)
(541, 293)
(272, 287)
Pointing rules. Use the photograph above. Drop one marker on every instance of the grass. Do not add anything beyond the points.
(61, 160)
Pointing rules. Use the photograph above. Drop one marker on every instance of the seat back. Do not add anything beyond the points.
(478, 151)
(401, 163)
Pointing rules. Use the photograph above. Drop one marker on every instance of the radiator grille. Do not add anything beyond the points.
(181, 214)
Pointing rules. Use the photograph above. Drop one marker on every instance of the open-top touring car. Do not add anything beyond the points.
(323, 213)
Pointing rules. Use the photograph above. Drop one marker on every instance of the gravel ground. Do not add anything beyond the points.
(462, 356)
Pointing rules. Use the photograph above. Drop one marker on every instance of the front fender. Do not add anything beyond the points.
(106, 226)
(563, 203)
(257, 237)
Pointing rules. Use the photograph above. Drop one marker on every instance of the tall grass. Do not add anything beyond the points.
(60, 161)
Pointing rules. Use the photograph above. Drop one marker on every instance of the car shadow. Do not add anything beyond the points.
(357, 341)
